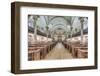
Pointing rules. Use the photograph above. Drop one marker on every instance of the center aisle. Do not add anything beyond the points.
(59, 52)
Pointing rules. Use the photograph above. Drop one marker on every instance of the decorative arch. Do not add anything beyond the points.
(66, 20)
(58, 26)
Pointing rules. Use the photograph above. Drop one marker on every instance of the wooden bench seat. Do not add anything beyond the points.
(39, 50)
(34, 55)
(77, 50)
(82, 53)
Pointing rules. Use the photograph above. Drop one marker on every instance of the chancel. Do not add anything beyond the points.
(57, 37)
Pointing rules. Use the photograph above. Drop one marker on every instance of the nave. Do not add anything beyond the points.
(59, 52)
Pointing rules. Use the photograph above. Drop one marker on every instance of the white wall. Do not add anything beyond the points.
(5, 42)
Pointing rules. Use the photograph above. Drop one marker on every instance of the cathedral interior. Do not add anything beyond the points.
(57, 37)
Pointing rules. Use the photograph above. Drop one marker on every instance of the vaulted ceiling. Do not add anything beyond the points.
(57, 23)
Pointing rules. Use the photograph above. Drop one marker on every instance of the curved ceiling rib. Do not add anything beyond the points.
(57, 17)
(58, 26)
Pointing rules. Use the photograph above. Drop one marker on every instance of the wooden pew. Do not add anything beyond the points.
(33, 54)
(39, 50)
(77, 50)
(82, 53)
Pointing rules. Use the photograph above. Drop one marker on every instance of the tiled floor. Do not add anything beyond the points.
(59, 52)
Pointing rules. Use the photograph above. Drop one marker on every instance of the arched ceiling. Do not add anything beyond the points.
(57, 26)
(58, 19)
(56, 23)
